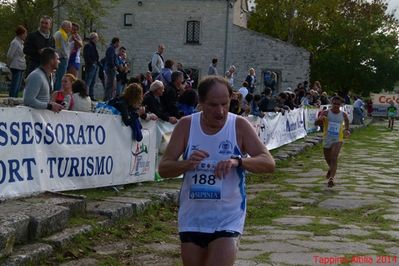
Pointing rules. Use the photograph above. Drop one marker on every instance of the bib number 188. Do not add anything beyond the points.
(204, 179)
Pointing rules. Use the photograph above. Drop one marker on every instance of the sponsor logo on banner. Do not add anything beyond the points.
(381, 102)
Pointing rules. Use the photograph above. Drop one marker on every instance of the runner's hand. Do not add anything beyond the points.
(347, 133)
(223, 167)
(196, 157)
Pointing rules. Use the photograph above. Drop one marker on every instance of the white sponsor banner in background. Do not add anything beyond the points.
(310, 115)
(382, 101)
(44, 151)
(276, 129)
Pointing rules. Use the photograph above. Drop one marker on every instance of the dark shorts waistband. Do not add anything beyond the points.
(203, 239)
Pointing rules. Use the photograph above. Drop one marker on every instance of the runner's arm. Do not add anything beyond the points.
(261, 161)
(170, 165)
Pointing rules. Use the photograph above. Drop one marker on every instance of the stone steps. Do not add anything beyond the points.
(32, 228)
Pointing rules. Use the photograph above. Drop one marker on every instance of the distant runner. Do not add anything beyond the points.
(392, 112)
(335, 125)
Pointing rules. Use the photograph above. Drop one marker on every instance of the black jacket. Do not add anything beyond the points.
(34, 42)
(152, 105)
(169, 101)
(90, 54)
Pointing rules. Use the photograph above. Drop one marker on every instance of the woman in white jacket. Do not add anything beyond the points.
(16, 60)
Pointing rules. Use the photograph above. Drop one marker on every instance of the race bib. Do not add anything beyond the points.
(204, 185)
(333, 128)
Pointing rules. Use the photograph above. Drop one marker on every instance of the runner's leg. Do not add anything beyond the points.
(327, 156)
(335, 149)
(193, 254)
(222, 251)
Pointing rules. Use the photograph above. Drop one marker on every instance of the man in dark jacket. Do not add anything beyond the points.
(110, 68)
(90, 54)
(36, 42)
(170, 97)
(152, 102)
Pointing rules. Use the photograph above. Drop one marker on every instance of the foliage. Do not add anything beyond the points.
(87, 13)
(353, 43)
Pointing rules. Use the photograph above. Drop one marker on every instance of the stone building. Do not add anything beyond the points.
(195, 31)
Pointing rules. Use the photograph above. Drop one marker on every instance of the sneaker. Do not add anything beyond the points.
(328, 174)
(330, 182)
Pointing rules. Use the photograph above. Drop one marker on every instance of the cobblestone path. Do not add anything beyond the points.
(294, 219)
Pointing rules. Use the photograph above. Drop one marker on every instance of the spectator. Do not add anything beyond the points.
(91, 57)
(81, 99)
(129, 105)
(75, 43)
(170, 97)
(246, 104)
(188, 100)
(307, 100)
(157, 62)
(244, 89)
(146, 81)
(235, 105)
(153, 104)
(36, 42)
(38, 83)
(110, 68)
(280, 103)
(251, 80)
(255, 111)
(122, 68)
(230, 75)
(212, 70)
(181, 69)
(358, 115)
(64, 95)
(267, 103)
(166, 74)
(62, 46)
(324, 98)
(16, 60)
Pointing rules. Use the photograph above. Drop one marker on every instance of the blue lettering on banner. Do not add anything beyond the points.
(13, 168)
(23, 133)
(80, 166)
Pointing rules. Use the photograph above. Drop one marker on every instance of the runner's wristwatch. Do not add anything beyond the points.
(238, 158)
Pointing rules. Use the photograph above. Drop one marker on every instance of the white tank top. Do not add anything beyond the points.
(209, 204)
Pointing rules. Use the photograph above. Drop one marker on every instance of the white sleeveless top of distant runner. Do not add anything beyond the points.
(209, 204)
(333, 128)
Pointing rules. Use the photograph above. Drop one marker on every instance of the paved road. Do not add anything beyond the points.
(294, 219)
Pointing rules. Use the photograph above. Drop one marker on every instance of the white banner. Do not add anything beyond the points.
(44, 151)
(276, 129)
(310, 118)
(382, 101)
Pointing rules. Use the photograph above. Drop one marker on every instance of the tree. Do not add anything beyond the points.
(354, 43)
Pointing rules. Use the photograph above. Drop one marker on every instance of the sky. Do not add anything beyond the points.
(394, 4)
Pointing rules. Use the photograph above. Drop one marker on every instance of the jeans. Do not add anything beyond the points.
(59, 74)
(109, 84)
(16, 81)
(90, 78)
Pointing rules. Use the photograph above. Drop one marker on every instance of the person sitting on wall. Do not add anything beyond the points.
(152, 102)
(81, 99)
(39, 83)
(64, 95)
(129, 104)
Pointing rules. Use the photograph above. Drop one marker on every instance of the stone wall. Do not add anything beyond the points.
(252, 49)
(164, 21)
